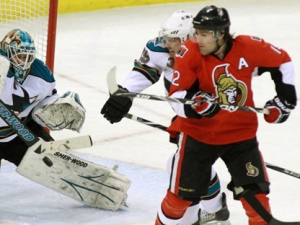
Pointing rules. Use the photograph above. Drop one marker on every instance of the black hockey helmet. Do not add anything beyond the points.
(212, 18)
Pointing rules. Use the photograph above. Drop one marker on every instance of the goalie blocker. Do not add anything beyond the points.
(49, 164)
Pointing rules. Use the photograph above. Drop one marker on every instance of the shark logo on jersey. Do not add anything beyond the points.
(144, 57)
(21, 103)
(230, 91)
(159, 42)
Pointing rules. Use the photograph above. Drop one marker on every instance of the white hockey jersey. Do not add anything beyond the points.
(22, 98)
(154, 61)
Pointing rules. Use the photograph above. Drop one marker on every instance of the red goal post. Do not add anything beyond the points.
(38, 18)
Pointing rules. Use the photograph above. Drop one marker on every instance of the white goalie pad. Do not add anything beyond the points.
(4, 67)
(65, 112)
(49, 164)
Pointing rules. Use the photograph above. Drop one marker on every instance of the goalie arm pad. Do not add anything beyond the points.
(65, 112)
(4, 67)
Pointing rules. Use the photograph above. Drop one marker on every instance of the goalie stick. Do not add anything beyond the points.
(17, 125)
(249, 196)
(114, 90)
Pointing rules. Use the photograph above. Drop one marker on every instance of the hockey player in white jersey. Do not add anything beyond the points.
(157, 61)
(27, 91)
(28, 87)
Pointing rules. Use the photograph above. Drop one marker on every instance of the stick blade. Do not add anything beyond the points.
(111, 80)
(74, 143)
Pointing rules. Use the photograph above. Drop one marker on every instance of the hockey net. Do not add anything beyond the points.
(38, 18)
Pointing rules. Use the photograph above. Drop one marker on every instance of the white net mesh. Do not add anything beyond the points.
(28, 15)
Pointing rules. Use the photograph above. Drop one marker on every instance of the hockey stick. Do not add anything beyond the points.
(260, 209)
(17, 125)
(283, 170)
(114, 90)
(164, 128)
(144, 121)
(249, 196)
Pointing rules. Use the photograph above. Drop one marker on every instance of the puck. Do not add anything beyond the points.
(47, 161)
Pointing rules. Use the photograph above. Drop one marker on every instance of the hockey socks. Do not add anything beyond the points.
(254, 218)
(172, 209)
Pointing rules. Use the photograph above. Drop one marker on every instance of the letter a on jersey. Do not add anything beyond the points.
(243, 63)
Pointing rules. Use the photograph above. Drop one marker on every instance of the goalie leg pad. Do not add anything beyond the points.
(81, 180)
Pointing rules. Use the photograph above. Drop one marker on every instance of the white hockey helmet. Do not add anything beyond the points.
(179, 24)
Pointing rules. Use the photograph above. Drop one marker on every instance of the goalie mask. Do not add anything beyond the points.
(20, 50)
(178, 25)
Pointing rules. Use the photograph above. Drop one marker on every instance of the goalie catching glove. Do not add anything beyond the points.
(279, 110)
(66, 112)
(207, 106)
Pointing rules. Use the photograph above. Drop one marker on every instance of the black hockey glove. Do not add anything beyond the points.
(279, 109)
(116, 107)
(208, 107)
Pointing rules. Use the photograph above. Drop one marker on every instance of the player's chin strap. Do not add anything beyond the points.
(217, 42)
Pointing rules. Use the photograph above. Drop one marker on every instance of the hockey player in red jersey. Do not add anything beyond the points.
(216, 67)
(156, 62)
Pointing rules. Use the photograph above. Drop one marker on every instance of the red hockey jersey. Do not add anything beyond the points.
(229, 79)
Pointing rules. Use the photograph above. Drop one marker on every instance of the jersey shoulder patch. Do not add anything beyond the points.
(182, 51)
(39, 69)
(157, 45)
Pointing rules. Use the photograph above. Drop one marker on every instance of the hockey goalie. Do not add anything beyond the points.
(28, 95)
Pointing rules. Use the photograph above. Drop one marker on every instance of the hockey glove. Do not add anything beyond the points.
(208, 106)
(66, 112)
(116, 107)
(279, 109)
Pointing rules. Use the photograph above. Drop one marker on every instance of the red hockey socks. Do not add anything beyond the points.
(172, 209)
(254, 218)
